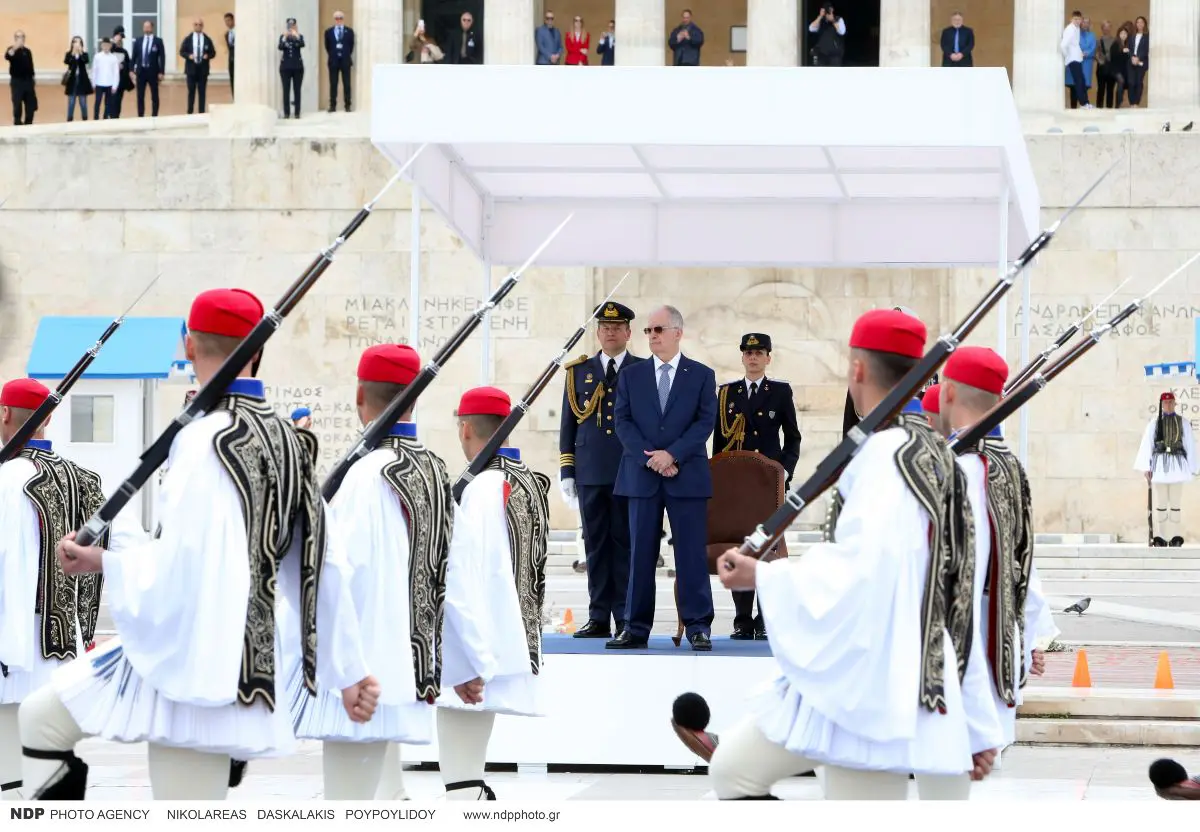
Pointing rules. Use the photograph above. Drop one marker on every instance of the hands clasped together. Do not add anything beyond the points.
(661, 462)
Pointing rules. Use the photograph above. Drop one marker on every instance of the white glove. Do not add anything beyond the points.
(570, 495)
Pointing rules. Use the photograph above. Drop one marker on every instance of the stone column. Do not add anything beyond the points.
(772, 33)
(1174, 54)
(904, 38)
(259, 25)
(379, 39)
(508, 32)
(1038, 68)
(641, 32)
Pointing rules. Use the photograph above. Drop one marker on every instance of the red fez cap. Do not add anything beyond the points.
(391, 363)
(485, 401)
(929, 401)
(887, 330)
(229, 312)
(24, 393)
(1167, 397)
(980, 367)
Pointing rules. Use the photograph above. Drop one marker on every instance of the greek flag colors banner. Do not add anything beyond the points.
(1172, 369)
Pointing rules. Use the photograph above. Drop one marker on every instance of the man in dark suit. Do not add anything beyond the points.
(751, 413)
(958, 43)
(149, 64)
(589, 453)
(197, 51)
(339, 51)
(664, 414)
(465, 44)
(231, 45)
(606, 48)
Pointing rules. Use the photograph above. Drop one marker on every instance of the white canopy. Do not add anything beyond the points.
(745, 166)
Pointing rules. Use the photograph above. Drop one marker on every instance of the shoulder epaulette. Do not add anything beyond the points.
(729, 383)
(780, 381)
(576, 362)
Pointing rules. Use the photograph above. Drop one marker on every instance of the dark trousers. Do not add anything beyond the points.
(606, 541)
(105, 102)
(147, 78)
(689, 528)
(22, 100)
(1106, 88)
(334, 72)
(1137, 82)
(1079, 90)
(196, 84)
(292, 79)
(743, 611)
(232, 86)
(118, 98)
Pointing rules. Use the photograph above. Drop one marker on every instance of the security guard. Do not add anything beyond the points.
(750, 414)
(589, 453)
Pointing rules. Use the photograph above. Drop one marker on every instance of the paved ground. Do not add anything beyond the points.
(1124, 667)
(1027, 773)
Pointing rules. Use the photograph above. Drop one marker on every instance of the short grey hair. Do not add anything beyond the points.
(674, 314)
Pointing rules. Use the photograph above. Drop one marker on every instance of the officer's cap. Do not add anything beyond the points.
(614, 313)
(756, 341)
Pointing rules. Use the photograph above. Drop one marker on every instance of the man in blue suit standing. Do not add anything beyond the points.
(666, 409)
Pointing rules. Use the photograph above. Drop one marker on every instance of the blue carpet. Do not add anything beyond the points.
(563, 644)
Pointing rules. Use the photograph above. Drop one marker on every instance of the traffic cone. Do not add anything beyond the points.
(568, 624)
(1162, 676)
(1083, 677)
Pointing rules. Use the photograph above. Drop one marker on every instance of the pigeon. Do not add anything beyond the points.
(1079, 606)
(1166, 128)
(1187, 128)
(1171, 781)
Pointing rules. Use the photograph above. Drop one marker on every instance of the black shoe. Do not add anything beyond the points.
(1158, 541)
(760, 633)
(742, 634)
(333, 109)
(626, 640)
(1176, 541)
(594, 629)
(701, 643)
(618, 627)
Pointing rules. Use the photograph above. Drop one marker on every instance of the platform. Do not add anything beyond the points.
(613, 708)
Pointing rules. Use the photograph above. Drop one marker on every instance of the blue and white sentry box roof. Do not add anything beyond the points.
(141, 348)
(1173, 369)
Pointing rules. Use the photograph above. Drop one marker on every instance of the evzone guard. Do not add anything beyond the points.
(394, 514)
(1167, 456)
(45, 616)
(872, 697)
(495, 590)
(193, 671)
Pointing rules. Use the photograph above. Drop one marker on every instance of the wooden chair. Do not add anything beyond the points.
(747, 488)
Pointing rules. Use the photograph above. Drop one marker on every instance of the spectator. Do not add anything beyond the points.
(1118, 60)
(1139, 61)
(1073, 59)
(108, 79)
(549, 42)
(422, 50)
(197, 50)
(1087, 47)
(231, 45)
(339, 47)
(127, 74)
(20, 79)
(302, 418)
(77, 86)
(577, 44)
(607, 47)
(150, 64)
(958, 42)
(685, 41)
(291, 66)
(1105, 82)
(830, 30)
(464, 45)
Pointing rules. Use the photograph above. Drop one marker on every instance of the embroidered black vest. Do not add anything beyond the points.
(64, 497)
(1010, 518)
(419, 478)
(528, 514)
(272, 466)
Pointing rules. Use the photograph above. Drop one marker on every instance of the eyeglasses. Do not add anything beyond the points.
(658, 330)
(549, 17)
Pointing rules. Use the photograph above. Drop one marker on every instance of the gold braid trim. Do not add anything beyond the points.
(734, 431)
(582, 413)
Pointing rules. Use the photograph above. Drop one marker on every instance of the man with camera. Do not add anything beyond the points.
(20, 79)
(830, 29)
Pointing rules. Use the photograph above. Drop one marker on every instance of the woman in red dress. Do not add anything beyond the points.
(577, 43)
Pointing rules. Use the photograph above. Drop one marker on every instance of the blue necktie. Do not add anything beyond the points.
(956, 40)
(664, 386)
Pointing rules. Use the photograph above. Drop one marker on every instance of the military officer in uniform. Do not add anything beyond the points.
(589, 453)
(751, 414)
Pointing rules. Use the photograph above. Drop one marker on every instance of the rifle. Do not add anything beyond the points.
(246, 352)
(382, 424)
(481, 460)
(767, 534)
(13, 446)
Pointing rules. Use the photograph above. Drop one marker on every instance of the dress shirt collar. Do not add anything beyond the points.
(674, 362)
(620, 359)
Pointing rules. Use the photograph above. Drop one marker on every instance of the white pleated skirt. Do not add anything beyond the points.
(323, 717)
(107, 698)
(20, 683)
(941, 745)
(519, 695)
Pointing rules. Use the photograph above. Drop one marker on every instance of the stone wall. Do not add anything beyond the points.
(90, 222)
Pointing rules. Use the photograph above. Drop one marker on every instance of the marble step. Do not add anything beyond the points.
(1109, 716)
(1125, 588)
(1046, 561)
(1159, 575)
(1107, 732)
